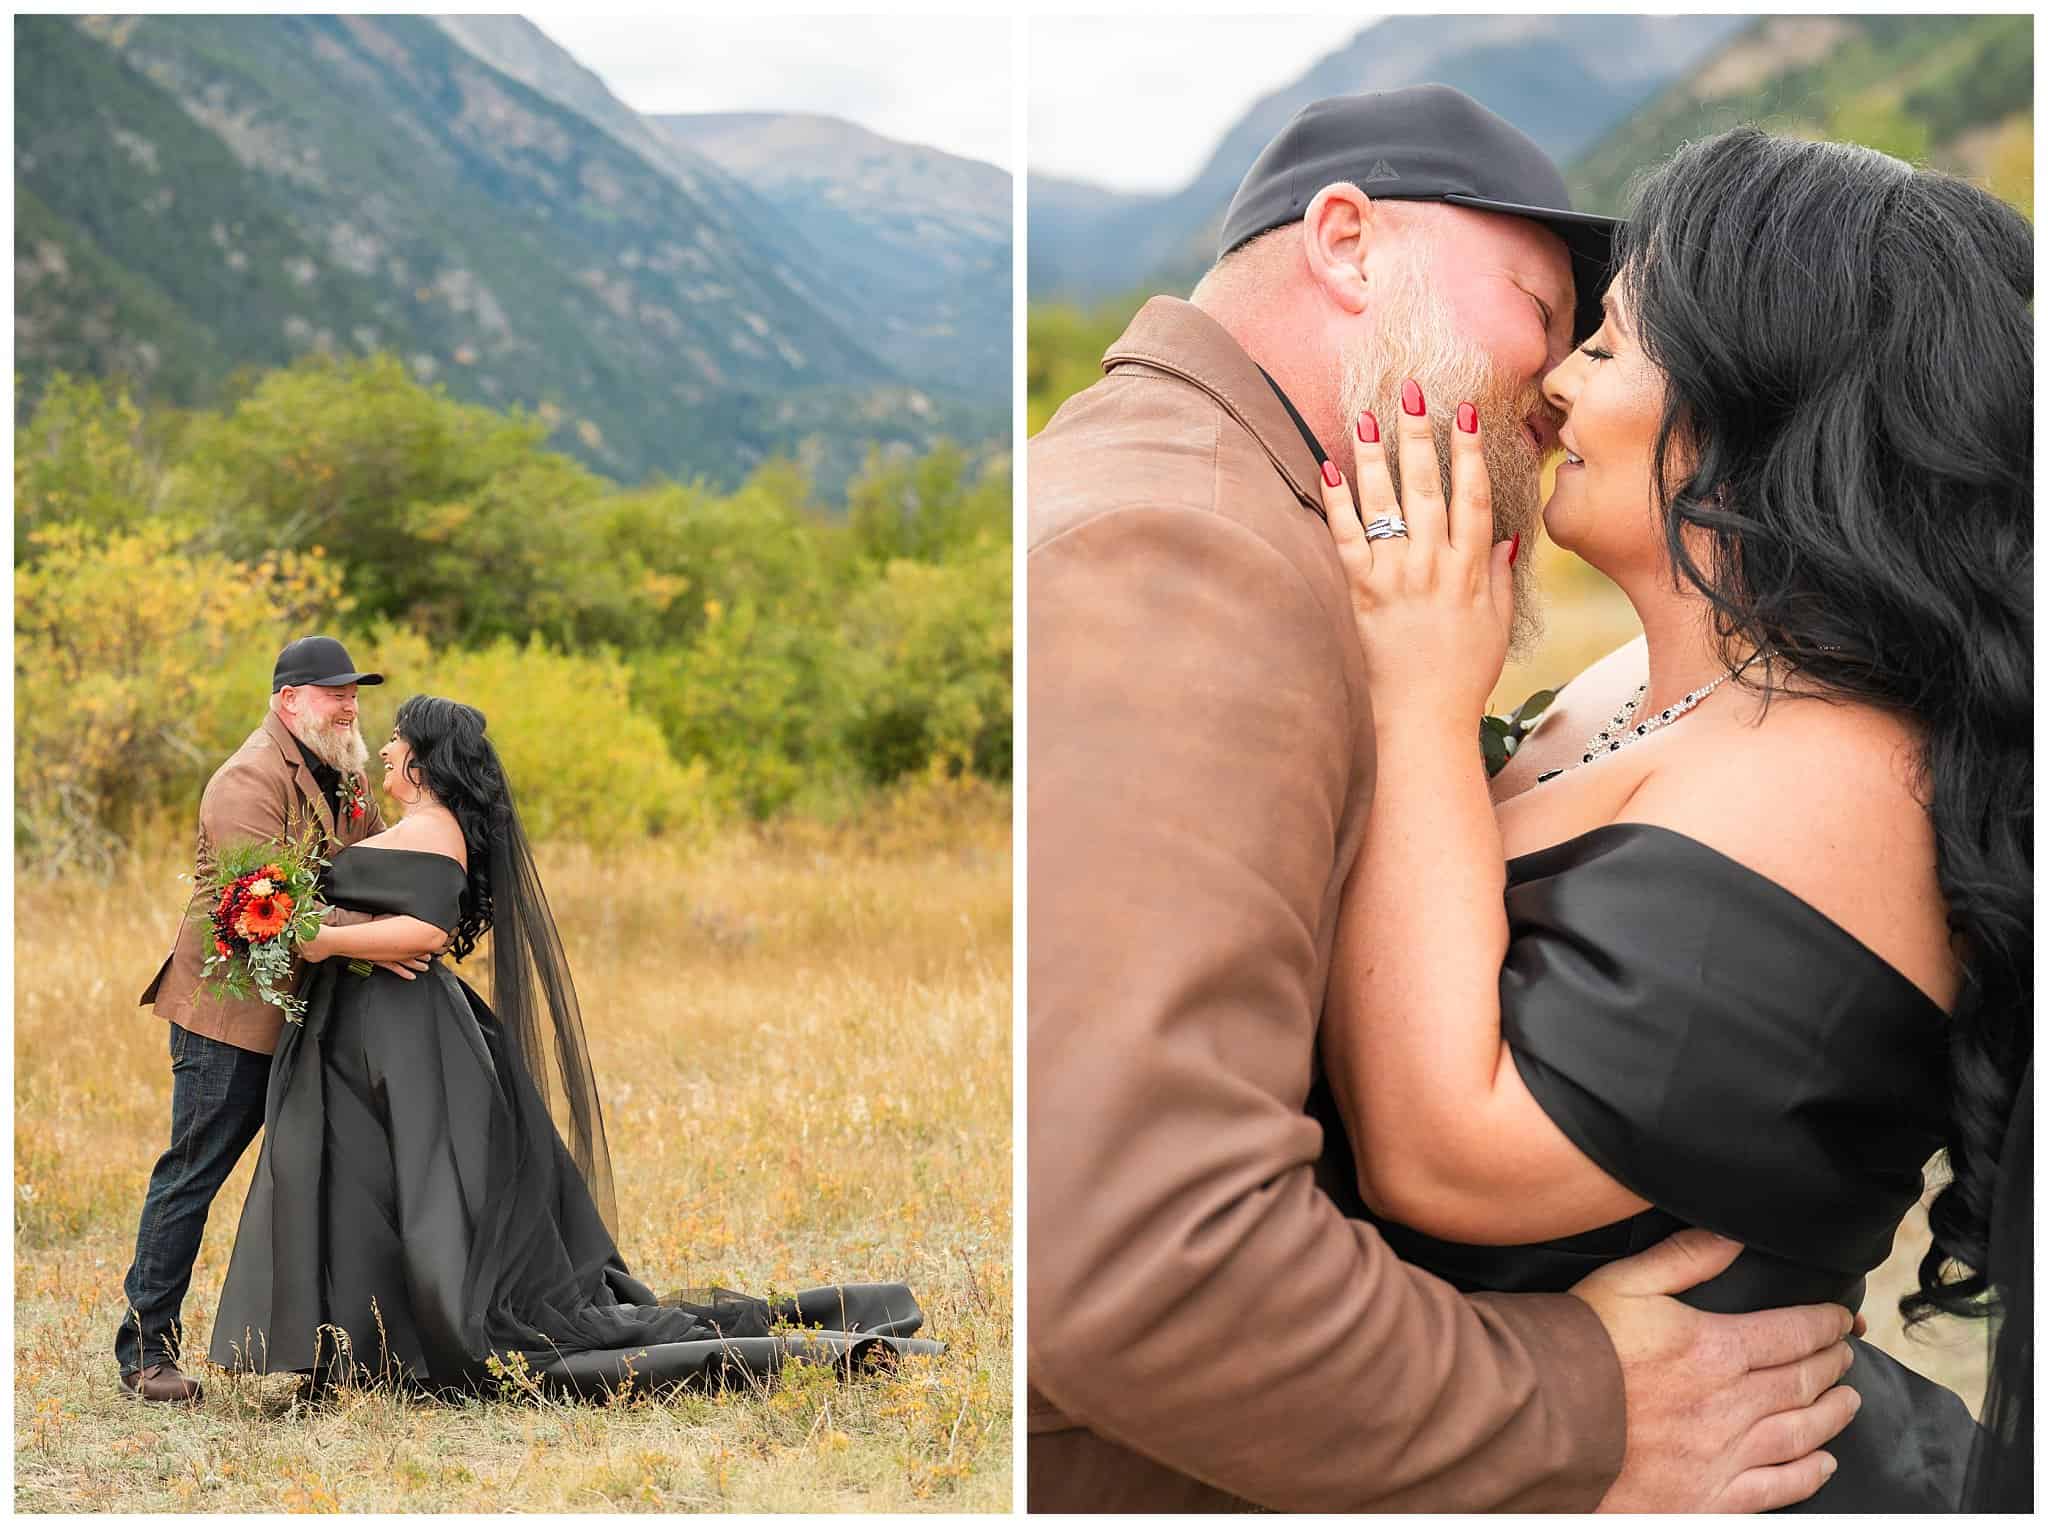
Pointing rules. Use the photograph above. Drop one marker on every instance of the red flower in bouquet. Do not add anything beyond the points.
(266, 914)
(262, 904)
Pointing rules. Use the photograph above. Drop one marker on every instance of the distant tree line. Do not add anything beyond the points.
(652, 660)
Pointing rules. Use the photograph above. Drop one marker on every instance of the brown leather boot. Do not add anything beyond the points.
(162, 1382)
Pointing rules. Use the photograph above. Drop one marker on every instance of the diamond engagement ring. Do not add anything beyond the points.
(1385, 528)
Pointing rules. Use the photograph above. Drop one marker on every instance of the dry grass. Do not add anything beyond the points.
(804, 1044)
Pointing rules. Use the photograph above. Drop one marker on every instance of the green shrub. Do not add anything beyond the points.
(583, 762)
(84, 458)
(761, 701)
(926, 507)
(934, 652)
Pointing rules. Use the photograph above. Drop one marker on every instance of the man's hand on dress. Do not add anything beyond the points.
(1725, 1413)
(409, 967)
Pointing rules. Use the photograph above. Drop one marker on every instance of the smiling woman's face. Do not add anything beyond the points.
(396, 753)
(1601, 506)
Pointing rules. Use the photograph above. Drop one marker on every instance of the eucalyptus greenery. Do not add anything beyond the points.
(266, 971)
(1500, 736)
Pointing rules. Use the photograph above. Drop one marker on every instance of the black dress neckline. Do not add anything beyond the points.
(1825, 926)
(393, 849)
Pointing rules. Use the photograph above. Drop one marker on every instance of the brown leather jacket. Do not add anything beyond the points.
(264, 792)
(1206, 1327)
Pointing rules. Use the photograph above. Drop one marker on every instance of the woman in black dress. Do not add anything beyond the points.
(1748, 939)
(433, 1200)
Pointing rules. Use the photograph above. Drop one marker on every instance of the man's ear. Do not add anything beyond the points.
(1335, 235)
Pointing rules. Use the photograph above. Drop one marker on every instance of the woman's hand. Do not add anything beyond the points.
(1433, 607)
(316, 949)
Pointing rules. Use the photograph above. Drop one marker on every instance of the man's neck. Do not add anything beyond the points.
(1289, 359)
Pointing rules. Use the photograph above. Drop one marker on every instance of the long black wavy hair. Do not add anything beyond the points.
(1847, 344)
(457, 763)
(532, 996)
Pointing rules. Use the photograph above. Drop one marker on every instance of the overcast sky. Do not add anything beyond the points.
(1139, 103)
(944, 81)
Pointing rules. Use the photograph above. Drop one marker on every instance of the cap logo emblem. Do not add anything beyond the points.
(1381, 170)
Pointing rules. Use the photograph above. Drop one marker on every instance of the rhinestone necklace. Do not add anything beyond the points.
(1618, 734)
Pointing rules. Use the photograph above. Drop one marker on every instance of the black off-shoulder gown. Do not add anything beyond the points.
(399, 1225)
(1726, 1051)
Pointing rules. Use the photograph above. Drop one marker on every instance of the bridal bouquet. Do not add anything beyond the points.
(262, 908)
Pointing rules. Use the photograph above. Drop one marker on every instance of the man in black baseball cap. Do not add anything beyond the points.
(1427, 143)
(316, 660)
(1411, 236)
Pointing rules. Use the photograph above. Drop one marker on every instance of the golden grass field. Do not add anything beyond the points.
(803, 1040)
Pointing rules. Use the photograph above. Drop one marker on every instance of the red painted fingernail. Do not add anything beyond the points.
(1468, 419)
(1411, 397)
(1331, 475)
(1368, 428)
(1514, 549)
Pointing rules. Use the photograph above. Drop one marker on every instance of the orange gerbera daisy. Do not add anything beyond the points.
(265, 917)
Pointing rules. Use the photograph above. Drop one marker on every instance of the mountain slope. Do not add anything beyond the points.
(1952, 91)
(915, 241)
(201, 193)
(1563, 79)
(516, 47)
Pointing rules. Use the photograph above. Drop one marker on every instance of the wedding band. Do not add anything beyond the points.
(1385, 528)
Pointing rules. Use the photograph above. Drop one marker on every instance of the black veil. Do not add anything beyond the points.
(535, 1003)
(2001, 1473)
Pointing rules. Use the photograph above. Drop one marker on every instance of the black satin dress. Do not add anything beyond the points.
(1729, 1053)
(415, 1213)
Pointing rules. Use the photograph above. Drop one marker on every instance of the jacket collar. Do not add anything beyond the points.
(295, 757)
(1180, 338)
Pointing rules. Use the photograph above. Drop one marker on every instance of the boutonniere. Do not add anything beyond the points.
(355, 797)
(1500, 736)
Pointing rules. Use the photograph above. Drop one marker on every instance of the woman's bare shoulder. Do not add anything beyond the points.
(426, 833)
(1822, 797)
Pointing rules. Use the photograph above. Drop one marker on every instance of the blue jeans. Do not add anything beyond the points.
(217, 1097)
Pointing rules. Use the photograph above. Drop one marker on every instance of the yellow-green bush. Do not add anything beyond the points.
(583, 762)
(758, 699)
(85, 459)
(138, 665)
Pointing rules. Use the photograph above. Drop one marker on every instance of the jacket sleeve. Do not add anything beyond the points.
(1192, 1294)
(243, 804)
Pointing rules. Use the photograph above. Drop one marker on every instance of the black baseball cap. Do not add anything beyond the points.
(316, 660)
(1423, 143)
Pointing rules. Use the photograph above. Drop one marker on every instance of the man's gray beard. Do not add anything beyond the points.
(337, 747)
(1418, 338)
